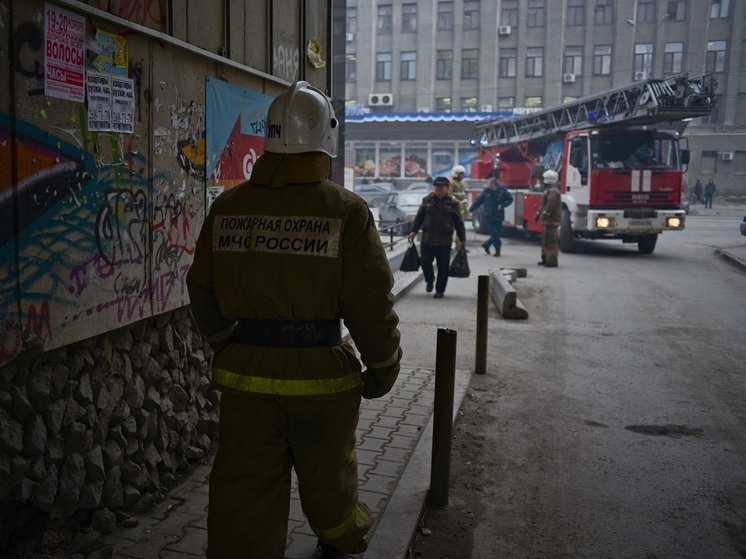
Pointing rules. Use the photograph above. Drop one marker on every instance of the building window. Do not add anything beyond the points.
(574, 60)
(351, 68)
(676, 10)
(645, 11)
(408, 65)
(534, 62)
(385, 22)
(535, 14)
(575, 13)
(509, 13)
(505, 103)
(739, 163)
(643, 58)
(709, 163)
(508, 63)
(470, 63)
(445, 16)
(603, 13)
(602, 60)
(469, 104)
(351, 20)
(409, 18)
(444, 65)
(383, 66)
(534, 102)
(715, 57)
(673, 58)
(471, 14)
(719, 8)
(443, 104)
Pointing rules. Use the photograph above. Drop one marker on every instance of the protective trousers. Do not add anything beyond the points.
(261, 439)
(549, 244)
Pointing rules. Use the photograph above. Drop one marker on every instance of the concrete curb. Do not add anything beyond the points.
(725, 253)
(504, 296)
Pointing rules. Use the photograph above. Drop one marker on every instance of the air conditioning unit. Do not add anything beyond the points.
(568, 78)
(380, 99)
(504, 30)
(350, 37)
(641, 75)
(726, 156)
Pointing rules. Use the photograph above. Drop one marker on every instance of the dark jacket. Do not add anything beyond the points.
(491, 200)
(437, 217)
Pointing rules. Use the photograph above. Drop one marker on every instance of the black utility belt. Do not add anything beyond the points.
(289, 333)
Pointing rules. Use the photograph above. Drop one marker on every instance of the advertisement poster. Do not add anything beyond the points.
(64, 60)
(123, 105)
(111, 54)
(98, 90)
(235, 133)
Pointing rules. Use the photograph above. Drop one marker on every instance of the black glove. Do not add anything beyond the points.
(378, 382)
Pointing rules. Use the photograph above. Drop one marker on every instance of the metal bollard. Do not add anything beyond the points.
(483, 301)
(445, 378)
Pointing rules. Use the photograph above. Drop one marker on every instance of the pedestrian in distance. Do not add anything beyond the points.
(550, 214)
(495, 199)
(280, 261)
(438, 217)
(698, 192)
(709, 193)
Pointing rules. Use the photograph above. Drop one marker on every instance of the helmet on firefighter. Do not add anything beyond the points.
(550, 177)
(458, 169)
(300, 120)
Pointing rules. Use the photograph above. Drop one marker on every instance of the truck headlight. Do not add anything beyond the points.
(603, 222)
(675, 222)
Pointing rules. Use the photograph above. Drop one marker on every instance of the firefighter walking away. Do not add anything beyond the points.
(281, 260)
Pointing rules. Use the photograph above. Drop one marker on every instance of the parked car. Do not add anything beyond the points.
(400, 207)
(374, 193)
(423, 187)
(743, 226)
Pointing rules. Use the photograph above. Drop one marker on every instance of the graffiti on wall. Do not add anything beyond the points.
(149, 13)
(96, 238)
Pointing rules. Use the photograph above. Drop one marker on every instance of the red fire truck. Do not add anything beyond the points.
(617, 153)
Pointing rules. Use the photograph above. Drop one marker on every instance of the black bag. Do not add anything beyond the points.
(411, 260)
(460, 265)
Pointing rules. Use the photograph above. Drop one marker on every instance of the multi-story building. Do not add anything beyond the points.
(420, 72)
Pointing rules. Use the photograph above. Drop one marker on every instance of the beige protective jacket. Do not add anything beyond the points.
(290, 245)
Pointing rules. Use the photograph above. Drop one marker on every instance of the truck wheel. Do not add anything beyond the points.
(477, 222)
(566, 239)
(646, 243)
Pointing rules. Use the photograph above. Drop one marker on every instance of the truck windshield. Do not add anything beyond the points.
(635, 152)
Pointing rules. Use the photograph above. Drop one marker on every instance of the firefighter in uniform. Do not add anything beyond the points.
(457, 189)
(550, 213)
(280, 261)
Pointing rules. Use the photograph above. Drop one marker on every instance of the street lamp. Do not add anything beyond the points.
(649, 46)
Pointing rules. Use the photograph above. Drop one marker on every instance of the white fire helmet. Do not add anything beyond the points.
(551, 177)
(300, 120)
(458, 169)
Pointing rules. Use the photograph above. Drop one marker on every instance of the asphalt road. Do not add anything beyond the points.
(611, 423)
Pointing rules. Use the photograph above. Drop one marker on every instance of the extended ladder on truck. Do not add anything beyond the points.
(645, 102)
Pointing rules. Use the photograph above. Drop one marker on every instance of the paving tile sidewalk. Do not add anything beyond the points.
(389, 436)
